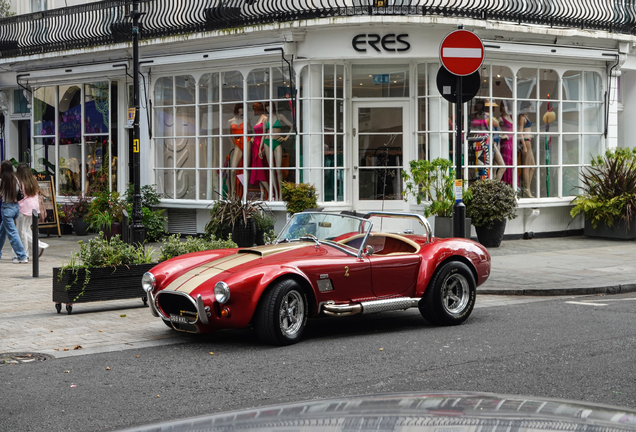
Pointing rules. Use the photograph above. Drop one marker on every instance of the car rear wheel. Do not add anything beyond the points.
(282, 314)
(450, 296)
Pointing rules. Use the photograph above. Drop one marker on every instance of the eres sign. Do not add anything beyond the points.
(389, 42)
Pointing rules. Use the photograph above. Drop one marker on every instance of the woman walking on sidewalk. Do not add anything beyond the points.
(11, 193)
(29, 203)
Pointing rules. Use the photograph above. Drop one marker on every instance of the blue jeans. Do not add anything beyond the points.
(10, 213)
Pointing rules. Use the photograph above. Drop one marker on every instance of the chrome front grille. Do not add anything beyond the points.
(175, 303)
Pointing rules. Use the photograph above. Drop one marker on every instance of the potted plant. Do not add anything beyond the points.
(103, 269)
(264, 221)
(106, 213)
(608, 195)
(299, 196)
(433, 182)
(489, 203)
(233, 216)
(77, 211)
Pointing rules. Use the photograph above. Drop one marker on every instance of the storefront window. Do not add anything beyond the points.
(85, 160)
(244, 135)
(380, 81)
(322, 151)
(44, 103)
(176, 146)
(537, 141)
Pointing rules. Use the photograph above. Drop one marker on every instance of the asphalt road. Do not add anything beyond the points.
(580, 348)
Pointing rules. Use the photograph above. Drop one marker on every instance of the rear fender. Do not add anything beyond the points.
(475, 256)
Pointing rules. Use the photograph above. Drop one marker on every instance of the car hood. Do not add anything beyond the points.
(421, 412)
(186, 272)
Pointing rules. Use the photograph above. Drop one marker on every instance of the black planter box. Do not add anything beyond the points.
(444, 227)
(105, 283)
(618, 231)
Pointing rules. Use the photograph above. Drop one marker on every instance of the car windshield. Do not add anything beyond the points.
(322, 227)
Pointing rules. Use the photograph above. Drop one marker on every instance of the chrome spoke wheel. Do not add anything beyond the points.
(291, 313)
(455, 293)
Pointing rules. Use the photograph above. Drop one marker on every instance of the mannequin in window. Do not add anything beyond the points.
(73, 180)
(259, 176)
(236, 126)
(481, 142)
(276, 122)
(505, 139)
(527, 155)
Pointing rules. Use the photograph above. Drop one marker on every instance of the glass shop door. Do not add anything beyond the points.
(381, 130)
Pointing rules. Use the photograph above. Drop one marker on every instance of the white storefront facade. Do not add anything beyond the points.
(367, 103)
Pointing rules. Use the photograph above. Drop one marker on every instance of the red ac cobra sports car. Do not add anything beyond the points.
(322, 264)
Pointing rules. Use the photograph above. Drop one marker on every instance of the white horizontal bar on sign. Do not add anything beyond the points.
(461, 53)
(220, 54)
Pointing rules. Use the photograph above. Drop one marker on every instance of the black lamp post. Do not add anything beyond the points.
(138, 231)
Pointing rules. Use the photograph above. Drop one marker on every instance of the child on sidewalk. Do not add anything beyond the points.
(27, 205)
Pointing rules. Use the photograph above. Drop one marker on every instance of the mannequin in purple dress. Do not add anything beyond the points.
(505, 140)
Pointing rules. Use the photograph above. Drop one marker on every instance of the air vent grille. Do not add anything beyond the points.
(182, 221)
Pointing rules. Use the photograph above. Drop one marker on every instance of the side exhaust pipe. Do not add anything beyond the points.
(370, 307)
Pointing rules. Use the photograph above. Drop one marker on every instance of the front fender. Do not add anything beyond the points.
(246, 290)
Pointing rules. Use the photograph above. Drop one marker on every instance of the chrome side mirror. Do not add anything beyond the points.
(368, 251)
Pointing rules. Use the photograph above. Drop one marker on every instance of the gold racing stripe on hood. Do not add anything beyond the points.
(278, 248)
(191, 279)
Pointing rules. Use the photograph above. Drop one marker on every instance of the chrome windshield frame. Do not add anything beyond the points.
(422, 220)
(361, 220)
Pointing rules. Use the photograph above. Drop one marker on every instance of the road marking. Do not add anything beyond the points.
(586, 304)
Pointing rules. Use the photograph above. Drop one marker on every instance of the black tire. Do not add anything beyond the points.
(58, 307)
(69, 309)
(450, 296)
(281, 317)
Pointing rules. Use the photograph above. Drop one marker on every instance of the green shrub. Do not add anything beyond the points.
(299, 196)
(433, 182)
(489, 201)
(173, 245)
(149, 195)
(264, 220)
(106, 208)
(609, 188)
(155, 224)
(101, 252)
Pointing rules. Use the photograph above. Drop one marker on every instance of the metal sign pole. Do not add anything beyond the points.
(459, 209)
(138, 233)
(35, 247)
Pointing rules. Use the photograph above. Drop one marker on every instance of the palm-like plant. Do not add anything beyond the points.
(226, 213)
(609, 189)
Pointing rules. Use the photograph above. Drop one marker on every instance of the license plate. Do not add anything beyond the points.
(179, 319)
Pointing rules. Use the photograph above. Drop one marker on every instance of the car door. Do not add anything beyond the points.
(394, 274)
(340, 277)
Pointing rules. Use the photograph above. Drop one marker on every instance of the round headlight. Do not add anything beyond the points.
(221, 292)
(148, 282)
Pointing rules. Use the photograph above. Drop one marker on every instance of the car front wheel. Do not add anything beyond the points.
(282, 314)
(450, 296)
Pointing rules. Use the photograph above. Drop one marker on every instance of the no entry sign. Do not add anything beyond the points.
(461, 52)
